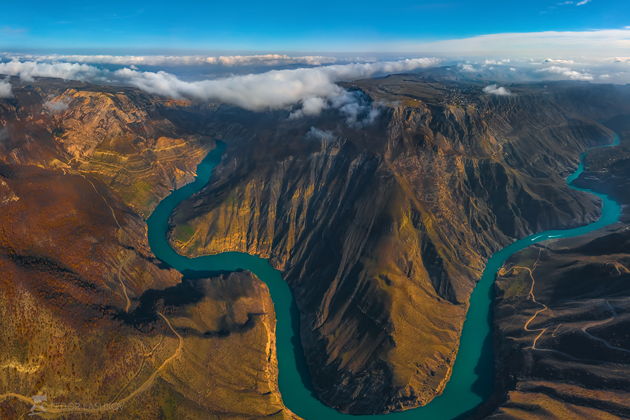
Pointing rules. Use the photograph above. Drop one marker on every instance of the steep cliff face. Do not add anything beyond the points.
(383, 231)
(80, 167)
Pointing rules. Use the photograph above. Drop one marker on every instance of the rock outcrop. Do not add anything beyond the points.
(382, 231)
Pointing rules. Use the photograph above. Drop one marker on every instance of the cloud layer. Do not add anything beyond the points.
(567, 73)
(177, 60)
(56, 107)
(271, 90)
(596, 43)
(496, 90)
(5, 89)
(599, 69)
(306, 91)
(321, 135)
(314, 88)
(27, 70)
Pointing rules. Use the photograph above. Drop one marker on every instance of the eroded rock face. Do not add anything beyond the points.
(383, 231)
(80, 168)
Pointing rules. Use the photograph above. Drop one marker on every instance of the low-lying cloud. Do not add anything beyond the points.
(56, 106)
(356, 107)
(275, 89)
(558, 61)
(177, 60)
(4, 134)
(613, 69)
(27, 70)
(5, 89)
(467, 68)
(496, 90)
(307, 90)
(567, 73)
(320, 135)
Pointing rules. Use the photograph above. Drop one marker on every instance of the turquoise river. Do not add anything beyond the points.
(473, 374)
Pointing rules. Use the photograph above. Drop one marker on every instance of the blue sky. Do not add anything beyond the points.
(322, 25)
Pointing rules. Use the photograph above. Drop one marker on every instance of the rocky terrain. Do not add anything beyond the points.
(382, 231)
(81, 166)
(562, 313)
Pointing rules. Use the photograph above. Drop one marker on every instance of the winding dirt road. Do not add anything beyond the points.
(43, 408)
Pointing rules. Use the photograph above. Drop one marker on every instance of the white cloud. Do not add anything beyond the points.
(5, 89)
(496, 90)
(310, 106)
(275, 89)
(318, 134)
(467, 68)
(567, 73)
(524, 69)
(596, 43)
(500, 62)
(313, 106)
(178, 60)
(313, 89)
(558, 61)
(582, 2)
(357, 110)
(4, 134)
(27, 70)
(56, 106)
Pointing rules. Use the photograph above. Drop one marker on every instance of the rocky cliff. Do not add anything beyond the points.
(382, 231)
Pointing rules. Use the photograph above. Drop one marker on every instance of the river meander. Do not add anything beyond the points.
(473, 374)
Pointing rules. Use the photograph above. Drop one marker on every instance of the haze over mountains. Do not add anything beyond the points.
(307, 84)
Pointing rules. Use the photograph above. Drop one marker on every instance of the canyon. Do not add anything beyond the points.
(380, 228)
(81, 167)
(382, 234)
